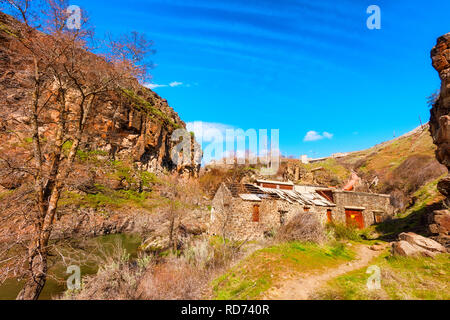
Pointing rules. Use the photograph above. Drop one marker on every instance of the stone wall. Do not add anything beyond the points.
(233, 217)
(370, 204)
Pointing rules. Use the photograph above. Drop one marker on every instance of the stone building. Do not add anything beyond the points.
(252, 211)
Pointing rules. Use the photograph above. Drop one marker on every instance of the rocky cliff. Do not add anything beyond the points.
(118, 179)
(440, 131)
(440, 113)
(131, 124)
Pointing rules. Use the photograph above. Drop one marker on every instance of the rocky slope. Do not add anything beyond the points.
(132, 125)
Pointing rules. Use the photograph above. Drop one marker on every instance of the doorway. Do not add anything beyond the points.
(256, 213)
(354, 218)
(330, 216)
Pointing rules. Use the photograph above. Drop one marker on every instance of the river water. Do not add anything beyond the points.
(96, 248)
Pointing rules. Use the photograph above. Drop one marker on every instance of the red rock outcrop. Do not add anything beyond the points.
(440, 131)
(440, 113)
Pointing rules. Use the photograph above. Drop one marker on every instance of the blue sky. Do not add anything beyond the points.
(297, 66)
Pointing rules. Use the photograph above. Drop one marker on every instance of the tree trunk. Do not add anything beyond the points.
(38, 269)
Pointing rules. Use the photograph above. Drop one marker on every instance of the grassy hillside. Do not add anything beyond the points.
(401, 279)
(267, 267)
(404, 167)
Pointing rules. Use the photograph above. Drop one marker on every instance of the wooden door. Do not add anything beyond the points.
(256, 213)
(354, 218)
(329, 216)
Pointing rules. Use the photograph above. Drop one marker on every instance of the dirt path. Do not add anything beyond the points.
(302, 288)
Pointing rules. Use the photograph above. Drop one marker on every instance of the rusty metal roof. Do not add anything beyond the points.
(251, 192)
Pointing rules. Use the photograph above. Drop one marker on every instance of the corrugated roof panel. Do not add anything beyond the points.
(249, 197)
(304, 198)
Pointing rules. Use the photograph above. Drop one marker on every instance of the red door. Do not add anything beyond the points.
(330, 216)
(354, 218)
(256, 213)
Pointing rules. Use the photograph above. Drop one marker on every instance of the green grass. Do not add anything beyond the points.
(401, 279)
(105, 198)
(411, 219)
(343, 232)
(263, 269)
(331, 166)
(8, 31)
(90, 154)
(426, 195)
(142, 104)
(4, 194)
(84, 155)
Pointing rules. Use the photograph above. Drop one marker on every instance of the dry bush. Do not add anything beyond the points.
(116, 279)
(175, 279)
(183, 277)
(178, 276)
(303, 227)
(186, 277)
(113, 282)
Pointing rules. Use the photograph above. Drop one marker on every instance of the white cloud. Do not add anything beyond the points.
(312, 136)
(327, 135)
(315, 136)
(175, 84)
(154, 85)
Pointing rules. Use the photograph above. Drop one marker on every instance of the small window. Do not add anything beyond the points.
(256, 213)
(306, 209)
(282, 217)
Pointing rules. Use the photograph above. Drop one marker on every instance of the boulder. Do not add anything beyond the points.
(406, 249)
(443, 239)
(422, 242)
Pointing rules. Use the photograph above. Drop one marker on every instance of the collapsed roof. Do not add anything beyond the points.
(251, 192)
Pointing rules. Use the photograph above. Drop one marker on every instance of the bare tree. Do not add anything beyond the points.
(67, 82)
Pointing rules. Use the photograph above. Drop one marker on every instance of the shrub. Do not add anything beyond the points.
(116, 279)
(175, 279)
(343, 232)
(303, 227)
